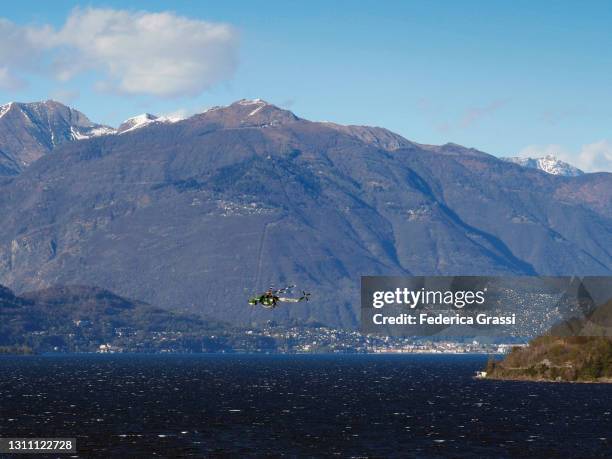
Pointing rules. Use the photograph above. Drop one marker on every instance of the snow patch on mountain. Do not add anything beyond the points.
(140, 121)
(78, 134)
(549, 164)
(101, 130)
(5, 108)
(256, 110)
(136, 122)
(251, 102)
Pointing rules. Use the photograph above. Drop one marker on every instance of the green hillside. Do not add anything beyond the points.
(81, 319)
(576, 350)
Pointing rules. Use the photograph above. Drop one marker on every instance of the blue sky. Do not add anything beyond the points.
(504, 77)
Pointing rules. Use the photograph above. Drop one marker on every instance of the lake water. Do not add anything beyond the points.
(406, 405)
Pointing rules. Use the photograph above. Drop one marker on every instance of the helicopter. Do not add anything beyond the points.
(270, 298)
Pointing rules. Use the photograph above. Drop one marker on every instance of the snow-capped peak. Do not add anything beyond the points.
(137, 122)
(252, 102)
(143, 118)
(5, 108)
(258, 103)
(549, 164)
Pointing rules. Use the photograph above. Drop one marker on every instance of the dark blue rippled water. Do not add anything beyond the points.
(408, 406)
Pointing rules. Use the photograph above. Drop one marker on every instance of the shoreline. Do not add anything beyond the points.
(107, 354)
(540, 380)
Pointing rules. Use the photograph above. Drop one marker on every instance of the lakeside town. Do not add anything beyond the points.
(271, 339)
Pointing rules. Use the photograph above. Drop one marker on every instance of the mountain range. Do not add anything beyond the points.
(30, 130)
(197, 214)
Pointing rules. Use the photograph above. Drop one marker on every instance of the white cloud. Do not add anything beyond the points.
(158, 54)
(9, 81)
(18, 53)
(178, 114)
(596, 156)
(592, 157)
